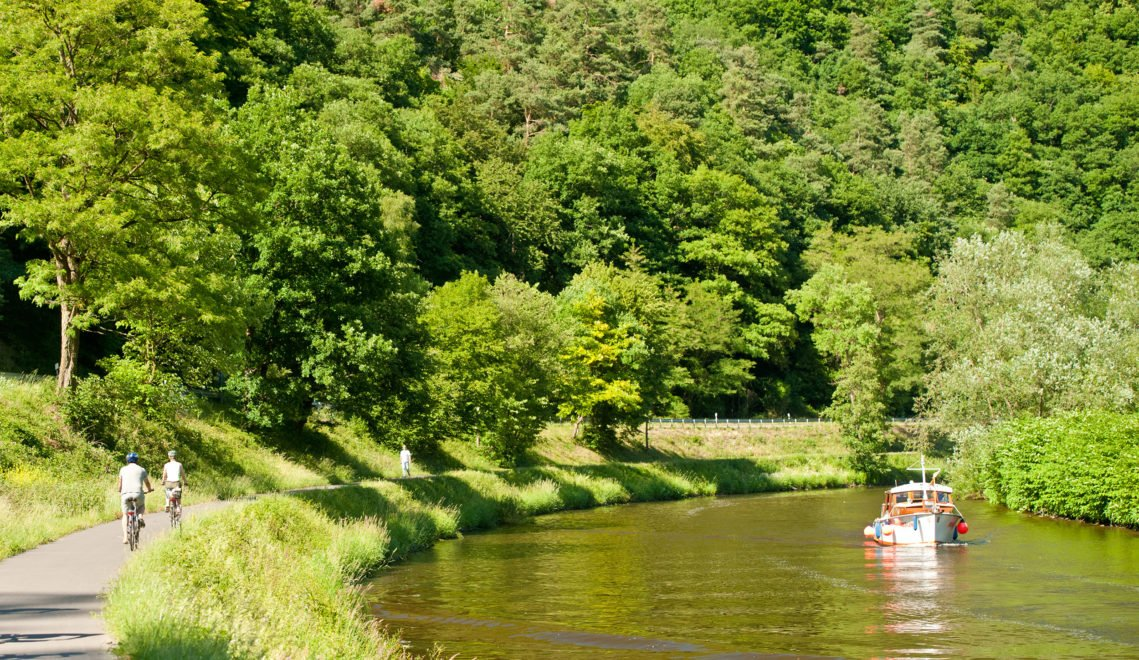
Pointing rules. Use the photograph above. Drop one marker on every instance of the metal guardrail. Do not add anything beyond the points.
(713, 421)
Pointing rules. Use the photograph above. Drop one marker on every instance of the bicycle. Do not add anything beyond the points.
(175, 508)
(132, 523)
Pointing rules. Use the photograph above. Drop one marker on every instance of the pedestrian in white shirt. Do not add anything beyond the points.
(132, 480)
(405, 461)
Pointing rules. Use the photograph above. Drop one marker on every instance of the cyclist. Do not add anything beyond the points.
(132, 478)
(173, 476)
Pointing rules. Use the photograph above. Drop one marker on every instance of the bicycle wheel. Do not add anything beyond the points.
(132, 529)
(175, 513)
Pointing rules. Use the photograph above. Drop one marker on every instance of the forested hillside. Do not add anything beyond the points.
(469, 217)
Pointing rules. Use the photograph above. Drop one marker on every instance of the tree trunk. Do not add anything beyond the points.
(68, 347)
(67, 276)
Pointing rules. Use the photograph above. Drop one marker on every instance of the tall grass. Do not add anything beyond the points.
(275, 578)
(51, 481)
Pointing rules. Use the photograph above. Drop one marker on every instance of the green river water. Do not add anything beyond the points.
(773, 575)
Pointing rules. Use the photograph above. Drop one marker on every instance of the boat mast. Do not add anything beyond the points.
(924, 494)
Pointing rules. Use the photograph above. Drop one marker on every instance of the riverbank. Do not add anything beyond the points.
(53, 481)
(276, 577)
(1083, 466)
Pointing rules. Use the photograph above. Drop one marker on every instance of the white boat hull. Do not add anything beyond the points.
(915, 529)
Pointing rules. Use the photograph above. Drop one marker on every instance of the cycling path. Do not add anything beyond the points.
(50, 596)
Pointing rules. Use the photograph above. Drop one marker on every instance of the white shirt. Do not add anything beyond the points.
(173, 471)
(405, 456)
(132, 475)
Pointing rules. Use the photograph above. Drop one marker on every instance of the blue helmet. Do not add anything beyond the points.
(132, 457)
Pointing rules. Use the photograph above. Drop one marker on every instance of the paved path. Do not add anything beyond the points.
(50, 596)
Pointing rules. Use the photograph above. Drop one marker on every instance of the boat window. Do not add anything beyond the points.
(903, 497)
(942, 497)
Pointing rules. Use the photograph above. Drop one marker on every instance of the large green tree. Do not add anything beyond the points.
(846, 329)
(110, 154)
(898, 278)
(333, 254)
(1024, 326)
(619, 362)
(494, 361)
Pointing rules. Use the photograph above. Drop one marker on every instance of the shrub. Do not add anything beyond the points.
(1080, 465)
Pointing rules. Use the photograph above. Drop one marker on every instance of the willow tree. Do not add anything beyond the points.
(107, 145)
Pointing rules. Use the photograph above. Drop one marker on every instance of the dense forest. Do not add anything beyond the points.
(470, 217)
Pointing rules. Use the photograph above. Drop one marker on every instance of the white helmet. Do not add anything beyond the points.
(171, 453)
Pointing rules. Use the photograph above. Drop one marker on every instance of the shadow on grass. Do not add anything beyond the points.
(485, 500)
(439, 459)
(315, 451)
(219, 467)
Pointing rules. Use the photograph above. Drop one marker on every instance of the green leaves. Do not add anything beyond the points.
(1026, 327)
(109, 127)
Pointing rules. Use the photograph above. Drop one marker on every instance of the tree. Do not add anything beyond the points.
(1025, 327)
(108, 124)
(619, 364)
(333, 254)
(494, 361)
(898, 278)
(533, 341)
(846, 330)
(467, 351)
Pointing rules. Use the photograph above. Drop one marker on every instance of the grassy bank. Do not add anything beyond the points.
(1083, 466)
(52, 481)
(274, 578)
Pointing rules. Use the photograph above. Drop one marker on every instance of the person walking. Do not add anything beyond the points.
(132, 479)
(405, 461)
(173, 476)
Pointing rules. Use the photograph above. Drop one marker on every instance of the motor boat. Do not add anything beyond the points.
(918, 513)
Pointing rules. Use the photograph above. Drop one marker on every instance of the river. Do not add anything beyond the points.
(764, 575)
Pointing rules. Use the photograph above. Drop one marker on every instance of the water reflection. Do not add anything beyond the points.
(755, 576)
(918, 583)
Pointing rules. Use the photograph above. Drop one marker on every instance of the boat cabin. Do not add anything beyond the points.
(916, 498)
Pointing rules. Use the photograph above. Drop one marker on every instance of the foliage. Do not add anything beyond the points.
(1027, 327)
(898, 278)
(331, 256)
(1078, 465)
(619, 361)
(262, 193)
(847, 331)
(493, 354)
(112, 158)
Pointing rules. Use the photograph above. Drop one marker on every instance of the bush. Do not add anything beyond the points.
(1082, 466)
(107, 408)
